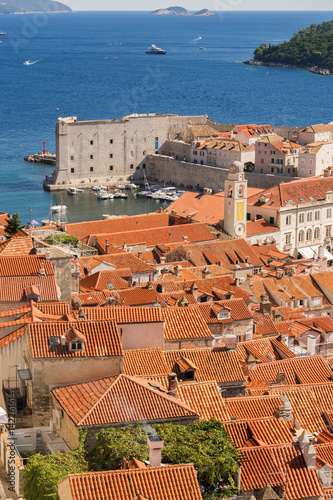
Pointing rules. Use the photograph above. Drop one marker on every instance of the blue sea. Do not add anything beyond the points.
(93, 65)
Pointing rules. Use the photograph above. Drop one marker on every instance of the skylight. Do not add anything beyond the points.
(311, 198)
(301, 199)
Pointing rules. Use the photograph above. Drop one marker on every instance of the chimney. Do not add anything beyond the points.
(293, 271)
(309, 455)
(178, 270)
(123, 301)
(206, 273)
(265, 304)
(250, 278)
(82, 315)
(47, 255)
(311, 345)
(107, 246)
(140, 254)
(42, 271)
(155, 445)
(321, 251)
(277, 316)
(236, 281)
(150, 285)
(279, 273)
(287, 408)
(185, 237)
(281, 378)
(162, 259)
(194, 290)
(172, 383)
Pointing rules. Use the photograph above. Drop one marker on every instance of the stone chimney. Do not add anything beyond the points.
(172, 383)
(178, 271)
(265, 304)
(250, 279)
(321, 251)
(277, 316)
(155, 445)
(140, 254)
(194, 290)
(162, 259)
(311, 345)
(206, 273)
(287, 407)
(237, 282)
(47, 255)
(281, 378)
(107, 246)
(279, 273)
(82, 315)
(42, 271)
(123, 301)
(293, 271)
(150, 285)
(185, 238)
(309, 455)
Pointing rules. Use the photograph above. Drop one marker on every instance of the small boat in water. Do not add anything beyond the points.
(103, 195)
(30, 63)
(72, 190)
(155, 50)
(3, 33)
(58, 208)
(95, 188)
(131, 186)
(119, 194)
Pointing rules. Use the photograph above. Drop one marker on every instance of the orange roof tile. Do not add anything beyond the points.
(124, 314)
(145, 362)
(238, 310)
(205, 399)
(106, 280)
(260, 432)
(179, 483)
(118, 225)
(24, 265)
(12, 289)
(309, 369)
(184, 323)
(121, 399)
(102, 339)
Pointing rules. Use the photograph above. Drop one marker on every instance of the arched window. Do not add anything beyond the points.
(308, 235)
(301, 236)
(241, 191)
(316, 233)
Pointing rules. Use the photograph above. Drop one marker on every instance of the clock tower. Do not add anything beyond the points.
(235, 198)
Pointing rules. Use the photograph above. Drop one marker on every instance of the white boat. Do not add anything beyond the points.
(58, 208)
(103, 195)
(131, 186)
(120, 186)
(72, 190)
(79, 190)
(95, 188)
(104, 188)
(155, 50)
(119, 194)
(3, 33)
(29, 63)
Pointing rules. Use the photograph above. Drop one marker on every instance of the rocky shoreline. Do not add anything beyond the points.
(312, 69)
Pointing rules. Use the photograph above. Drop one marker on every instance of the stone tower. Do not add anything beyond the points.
(235, 196)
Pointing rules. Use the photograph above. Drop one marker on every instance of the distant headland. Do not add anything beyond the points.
(310, 48)
(180, 11)
(32, 6)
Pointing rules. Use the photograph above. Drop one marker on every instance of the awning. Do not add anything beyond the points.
(24, 374)
(309, 252)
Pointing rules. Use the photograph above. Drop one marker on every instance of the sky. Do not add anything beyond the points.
(201, 4)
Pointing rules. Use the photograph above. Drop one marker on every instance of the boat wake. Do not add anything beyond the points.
(30, 63)
(196, 39)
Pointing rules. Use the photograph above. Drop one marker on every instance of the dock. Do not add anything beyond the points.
(48, 158)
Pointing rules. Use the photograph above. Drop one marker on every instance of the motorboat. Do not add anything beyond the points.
(58, 208)
(3, 33)
(29, 63)
(95, 188)
(155, 50)
(72, 190)
(103, 195)
(120, 186)
(131, 186)
(119, 194)
(104, 188)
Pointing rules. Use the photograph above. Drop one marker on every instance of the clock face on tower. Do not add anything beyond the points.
(240, 229)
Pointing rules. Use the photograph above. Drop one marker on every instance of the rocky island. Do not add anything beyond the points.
(32, 6)
(311, 48)
(180, 11)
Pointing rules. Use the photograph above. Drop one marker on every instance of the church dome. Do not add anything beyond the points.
(236, 167)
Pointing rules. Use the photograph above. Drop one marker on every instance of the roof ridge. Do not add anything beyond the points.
(81, 422)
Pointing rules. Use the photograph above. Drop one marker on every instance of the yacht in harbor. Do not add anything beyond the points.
(155, 50)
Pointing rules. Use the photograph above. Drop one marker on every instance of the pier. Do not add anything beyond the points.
(49, 158)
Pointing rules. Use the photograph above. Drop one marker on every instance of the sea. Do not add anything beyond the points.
(93, 65)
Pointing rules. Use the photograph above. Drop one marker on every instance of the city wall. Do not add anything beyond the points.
(164, 169)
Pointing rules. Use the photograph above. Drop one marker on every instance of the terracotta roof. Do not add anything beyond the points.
(309, 369)
(298, 191)
(205, 399)
(265, 350)
(19, 244)
(238, 310)
(264, 324)
(118, 260)
(320, 127)
(124, 314)
(258, 432)
(102, 339)
(121, 399)
(251, 407)
(12, 289)
(106, 280)
(184, 323)
(259, 226)
(194, 233)
(3, 217)
(24, 265)
(285, 464)
(12, 337)
(179, 483)
(221, 366)
(145, 362)
(118, 225)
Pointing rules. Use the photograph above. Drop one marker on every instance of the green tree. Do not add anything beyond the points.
(205, 444)
(43, 473)
(13, 224)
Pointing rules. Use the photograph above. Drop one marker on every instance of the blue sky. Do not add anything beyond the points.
(200, 4)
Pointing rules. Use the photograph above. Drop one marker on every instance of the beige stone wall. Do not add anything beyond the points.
(141, 335)
(48, 373)
(170, 345)
(164, 169)
(67, 430)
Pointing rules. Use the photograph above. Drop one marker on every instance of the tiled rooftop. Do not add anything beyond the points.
(184, 323)
(145, 362)
(12, 289)
(121, 399)
(125, 314)
(106, 280)
(102, 339)
(170, 482)
(258, 432)
(24, 265)
(205, 399)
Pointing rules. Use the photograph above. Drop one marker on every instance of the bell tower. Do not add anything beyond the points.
(235, 198)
